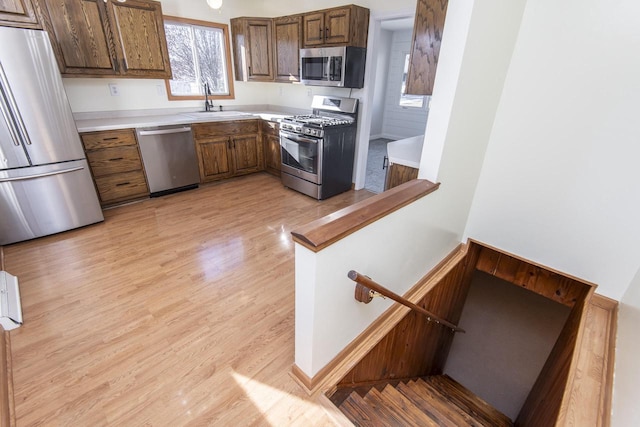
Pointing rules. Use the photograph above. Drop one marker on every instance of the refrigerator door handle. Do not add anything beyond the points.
(41, 175)
(16, 127)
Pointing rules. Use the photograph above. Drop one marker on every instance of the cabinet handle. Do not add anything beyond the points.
(229, 143)
(234, 143)
(385, 162)
(115, 159)
(326, 33)
(110, 139)
(120, 184)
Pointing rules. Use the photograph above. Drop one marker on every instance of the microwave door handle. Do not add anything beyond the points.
(327, 71)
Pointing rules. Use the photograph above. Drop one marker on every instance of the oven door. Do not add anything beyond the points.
(301, 156)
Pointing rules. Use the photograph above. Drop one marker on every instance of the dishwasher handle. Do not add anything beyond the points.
(164, 131)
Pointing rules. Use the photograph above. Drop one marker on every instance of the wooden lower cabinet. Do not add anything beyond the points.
(116, 165)
(399, 174)
(271, 143)
(227, 149)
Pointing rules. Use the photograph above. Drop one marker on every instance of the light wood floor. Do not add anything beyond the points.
(174, 311)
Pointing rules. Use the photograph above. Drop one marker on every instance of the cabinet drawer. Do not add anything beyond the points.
(206, 130)
(114, 160)
(112, 138)
(126, 185)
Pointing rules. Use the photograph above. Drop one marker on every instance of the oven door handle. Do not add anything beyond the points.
(296, 138)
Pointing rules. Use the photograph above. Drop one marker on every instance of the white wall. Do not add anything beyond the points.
(626, 394)
(400, 248)
(383, 49)
(560, 181)
(400, 122)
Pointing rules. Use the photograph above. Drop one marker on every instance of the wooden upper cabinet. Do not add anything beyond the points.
(427, 36)
(18, 13)
(287, 35)
(340, 26)
(140, 40)
(253, 48)
(98, 39)
(313, 29)
(80, 36)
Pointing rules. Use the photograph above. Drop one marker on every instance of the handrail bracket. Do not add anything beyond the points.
(367, 289)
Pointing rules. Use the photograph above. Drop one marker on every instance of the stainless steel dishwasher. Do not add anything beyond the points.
(169, 157)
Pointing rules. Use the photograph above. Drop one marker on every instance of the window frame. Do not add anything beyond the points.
(227, 48)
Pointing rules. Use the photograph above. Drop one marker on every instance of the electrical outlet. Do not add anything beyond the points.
(113, 88)
(309, 93)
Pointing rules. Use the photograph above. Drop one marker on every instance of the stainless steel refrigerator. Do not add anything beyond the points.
(45, 183)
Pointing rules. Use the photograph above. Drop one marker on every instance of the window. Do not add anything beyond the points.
(413, 101)
(199, 53)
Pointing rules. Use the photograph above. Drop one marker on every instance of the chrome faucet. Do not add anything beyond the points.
(208, 105)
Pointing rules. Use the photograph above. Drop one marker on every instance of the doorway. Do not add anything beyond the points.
(394, 116)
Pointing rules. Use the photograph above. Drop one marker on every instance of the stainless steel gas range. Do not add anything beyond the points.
(318, 150)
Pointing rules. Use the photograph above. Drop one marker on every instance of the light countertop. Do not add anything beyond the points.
(406, 151)
(96, 122)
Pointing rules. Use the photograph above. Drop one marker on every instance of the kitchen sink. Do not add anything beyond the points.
(216, 114)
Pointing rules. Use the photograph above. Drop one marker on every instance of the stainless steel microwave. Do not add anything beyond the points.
(333, 66)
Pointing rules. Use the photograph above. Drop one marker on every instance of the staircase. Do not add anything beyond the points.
(432, 401)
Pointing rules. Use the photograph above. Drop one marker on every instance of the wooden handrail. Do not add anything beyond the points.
(371, 285)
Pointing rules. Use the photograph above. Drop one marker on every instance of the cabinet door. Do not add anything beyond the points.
(213, 156)
(140, 41)
(79, 35)
(399, 174)
(18, 13)
(247, 154)
(287, 35)
(260, 65)
(272, 156)
(337, 26)
(427, 35)
(313, 29)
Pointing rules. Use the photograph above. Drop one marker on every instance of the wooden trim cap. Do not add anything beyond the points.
(325, 231)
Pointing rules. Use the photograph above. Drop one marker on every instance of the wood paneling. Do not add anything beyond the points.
(399, 174)
(416, 347)
(175, 310)
(287, 32)
(427, 36)
(326, 231)
(550, 284)
(542, 406)
(18, 13)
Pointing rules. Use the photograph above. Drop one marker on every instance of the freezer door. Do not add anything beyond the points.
(37, 98)
(43, 200)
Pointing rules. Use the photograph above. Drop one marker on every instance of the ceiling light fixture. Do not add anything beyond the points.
(214, 4)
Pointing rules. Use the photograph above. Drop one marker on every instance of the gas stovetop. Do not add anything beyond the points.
(319, 121)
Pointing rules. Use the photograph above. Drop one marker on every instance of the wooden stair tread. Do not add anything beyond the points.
(436, 406)
(388, 413)
(405, 406)
(467, 401)
(357, 410)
